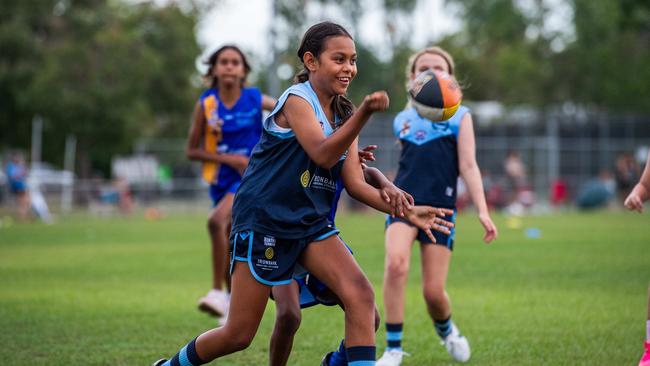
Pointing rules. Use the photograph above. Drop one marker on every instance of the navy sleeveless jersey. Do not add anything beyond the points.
(240, 130)
(283, 192)
(428, 165)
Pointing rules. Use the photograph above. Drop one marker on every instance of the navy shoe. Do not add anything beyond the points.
(326, 359)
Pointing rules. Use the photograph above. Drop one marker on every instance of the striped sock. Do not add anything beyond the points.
(443, 327)
(187, 356)
(361, 356)
(394, 336)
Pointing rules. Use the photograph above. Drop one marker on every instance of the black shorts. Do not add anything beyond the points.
(423, 238)
(271, 260)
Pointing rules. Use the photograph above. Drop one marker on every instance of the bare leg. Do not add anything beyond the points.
(248, 301)
(399, 240)
(333, 264)
(287, 322)
(218, 226)
(435, 264)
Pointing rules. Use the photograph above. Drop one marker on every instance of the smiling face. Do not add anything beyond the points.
(429, 61)
(333, 70)
(229, 69)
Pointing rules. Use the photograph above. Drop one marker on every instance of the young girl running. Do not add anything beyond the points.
(281, 208)
(634, 201)
(227, 124)
(433, 155)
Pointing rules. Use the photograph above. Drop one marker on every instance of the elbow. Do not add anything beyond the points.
(467, 167)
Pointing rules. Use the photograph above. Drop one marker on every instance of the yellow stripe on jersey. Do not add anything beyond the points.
(212, 136)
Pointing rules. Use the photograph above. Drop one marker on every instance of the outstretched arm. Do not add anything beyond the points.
(641, 191)
(424, 217)
(470, 172)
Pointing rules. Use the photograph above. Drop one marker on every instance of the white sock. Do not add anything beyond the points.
(647, 331)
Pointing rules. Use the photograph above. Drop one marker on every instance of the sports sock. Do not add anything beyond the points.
(443, 327)
(361, 356)
(340, 356)
(187, 356)
(647, 331)
(394, 336)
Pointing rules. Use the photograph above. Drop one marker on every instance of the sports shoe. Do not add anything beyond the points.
(326, 360)
(457, 345)
(645, 359)
(391, 357)
(215, 303)
(159, 362)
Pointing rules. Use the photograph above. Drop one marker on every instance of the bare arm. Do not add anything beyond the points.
(641, 191)
(470, 172)
(195, 150)
(268, 103)
(424, 217)
(326, 151)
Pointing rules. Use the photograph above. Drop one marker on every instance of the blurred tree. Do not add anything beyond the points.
(608, 65)
(106, 72)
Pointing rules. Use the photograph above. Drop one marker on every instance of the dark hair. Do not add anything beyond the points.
(214, 57)
(314, 41)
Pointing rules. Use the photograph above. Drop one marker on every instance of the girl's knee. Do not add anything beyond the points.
(397, 267)
(435, 296)
(287, 320)
(359, 292)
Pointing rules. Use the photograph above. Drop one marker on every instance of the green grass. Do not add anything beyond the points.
(123, 292)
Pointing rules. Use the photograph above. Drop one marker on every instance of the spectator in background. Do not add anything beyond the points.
(627, 174)
(17, 177)
(597, 192)
(520, 194)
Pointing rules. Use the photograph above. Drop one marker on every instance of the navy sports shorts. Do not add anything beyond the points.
(217, 191)
(441, 239)
(271, 260)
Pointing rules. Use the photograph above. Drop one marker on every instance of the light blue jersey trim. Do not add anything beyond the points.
(305, 91)
(327, 235)
(410, 126)
(252, 268)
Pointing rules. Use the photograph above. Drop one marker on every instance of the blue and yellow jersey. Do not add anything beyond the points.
(428, 165)
(230, 131)
(283, 192)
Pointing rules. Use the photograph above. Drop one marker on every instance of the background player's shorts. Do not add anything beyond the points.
(441, 239)
(17, 186)
(271, 260)
(313, 291)
(218, 191)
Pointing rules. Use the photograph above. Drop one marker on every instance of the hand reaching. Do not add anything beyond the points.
(427, 218)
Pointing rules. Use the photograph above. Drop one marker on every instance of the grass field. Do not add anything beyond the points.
(123, 292)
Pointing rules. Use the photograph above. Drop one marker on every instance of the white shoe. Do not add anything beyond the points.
(391, 357)
(216, 303)
(457, 345)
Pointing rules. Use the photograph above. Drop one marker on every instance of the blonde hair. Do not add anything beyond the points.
(434, 50)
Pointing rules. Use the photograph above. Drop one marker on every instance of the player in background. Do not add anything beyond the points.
(306, 290)
(634, 202)
(227, 123)
(433, 155)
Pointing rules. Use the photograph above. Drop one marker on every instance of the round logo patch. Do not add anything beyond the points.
(268, 253)
(304, 178)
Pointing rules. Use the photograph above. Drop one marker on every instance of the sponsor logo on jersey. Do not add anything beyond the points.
(269, 241)
(304, 178)
(268, 253)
